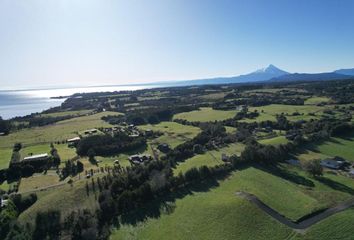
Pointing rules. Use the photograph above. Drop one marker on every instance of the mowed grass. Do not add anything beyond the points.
(274, 141)
(205, 115)
(173, 133)
(214, 214)
(209, 158)
(270, 112)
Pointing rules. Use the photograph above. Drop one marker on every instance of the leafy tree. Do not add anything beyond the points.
(314, 167)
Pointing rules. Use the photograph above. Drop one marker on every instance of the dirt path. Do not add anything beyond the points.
(302, 225)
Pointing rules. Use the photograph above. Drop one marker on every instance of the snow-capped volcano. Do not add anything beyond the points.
(271, 69)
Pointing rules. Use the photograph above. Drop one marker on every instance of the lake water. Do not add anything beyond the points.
(24, 102)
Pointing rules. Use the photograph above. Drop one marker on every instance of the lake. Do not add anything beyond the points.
(24, 102)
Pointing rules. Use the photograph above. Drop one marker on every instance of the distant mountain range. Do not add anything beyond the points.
(271, 74)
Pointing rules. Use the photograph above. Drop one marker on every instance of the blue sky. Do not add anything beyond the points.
(94, 42)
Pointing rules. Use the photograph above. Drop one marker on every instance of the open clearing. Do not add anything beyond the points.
(274, 141)
(173, 133)
(342, 147)
(316, 100)
(269, 112)
(210, 158)
(65, 198)
(206, 115)
(37, 181)
(66, 113)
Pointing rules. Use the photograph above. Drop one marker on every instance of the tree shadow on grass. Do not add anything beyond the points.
(335, 185)
(166, 203)
(287, 175)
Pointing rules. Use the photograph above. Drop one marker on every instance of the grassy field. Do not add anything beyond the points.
(174, 133)
(342, 147)
(338, 226)
(219, 214)
(37, 181)
(5, 157)
(230, 129)
(213, 214)
(65, 198)
(274, 141)
(316, 100)
(40, 137)
(210, 158)
(57, 132)
(270, 111)
(66, 113)
(206, 115)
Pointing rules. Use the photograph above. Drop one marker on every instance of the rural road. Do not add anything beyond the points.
(302, 225)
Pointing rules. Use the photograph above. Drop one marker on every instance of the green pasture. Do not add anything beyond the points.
(173, 133)
(316, 100)
(206, 114)
(209, 158)
(269, 112)
(65, 113)
(274, 140)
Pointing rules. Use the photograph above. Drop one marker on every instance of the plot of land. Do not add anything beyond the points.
(210, 158)
(38, 181)
(173, 133)
(40, 137)
(316, 100)
(342, 147)
(269, 112)
(206, 115)
(65, 198)
(274, 141)
(66, 113)
(219, 214)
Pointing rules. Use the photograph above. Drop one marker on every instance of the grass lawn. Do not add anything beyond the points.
(206, 115)
(210, 158)
(37, 181)
(274, 141)
(174, 133)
